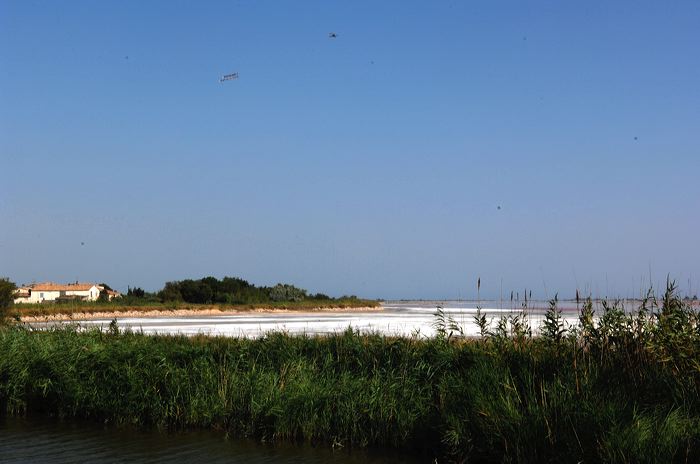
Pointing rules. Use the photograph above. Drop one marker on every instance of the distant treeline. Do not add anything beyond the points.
(229, 290)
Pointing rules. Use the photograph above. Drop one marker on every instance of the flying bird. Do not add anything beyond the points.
(228, 77)
(332, 35)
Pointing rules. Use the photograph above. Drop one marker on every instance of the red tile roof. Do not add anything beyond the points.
(54, 287)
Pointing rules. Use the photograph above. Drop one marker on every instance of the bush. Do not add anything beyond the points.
(7, 290)
(136, 292)
(286, 292)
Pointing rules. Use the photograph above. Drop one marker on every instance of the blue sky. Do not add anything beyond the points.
(371, 164)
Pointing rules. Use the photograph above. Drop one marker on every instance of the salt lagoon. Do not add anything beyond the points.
(397, 318)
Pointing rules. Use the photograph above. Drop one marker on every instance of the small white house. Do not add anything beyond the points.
(49, 291)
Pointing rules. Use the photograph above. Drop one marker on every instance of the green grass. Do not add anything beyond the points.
(624, 388)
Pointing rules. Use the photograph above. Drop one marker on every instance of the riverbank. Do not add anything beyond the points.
(50, 440)
(616, 388)
(84, 311)
(169, 313)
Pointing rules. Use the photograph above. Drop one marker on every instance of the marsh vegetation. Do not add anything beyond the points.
(617, 387)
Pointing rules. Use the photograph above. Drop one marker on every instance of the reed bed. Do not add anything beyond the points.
(617, 387)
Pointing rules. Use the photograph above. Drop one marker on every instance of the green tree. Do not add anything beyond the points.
(7, 290)
(136, 292)
(104, 296)
(196, 291)
(171, 292)
(286, 292)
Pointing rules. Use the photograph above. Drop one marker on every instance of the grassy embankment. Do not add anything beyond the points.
(621, 388)
(135, 306)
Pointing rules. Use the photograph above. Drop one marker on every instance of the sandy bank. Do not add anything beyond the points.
(81, 316)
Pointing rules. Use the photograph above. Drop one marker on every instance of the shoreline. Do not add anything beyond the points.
(164, 313)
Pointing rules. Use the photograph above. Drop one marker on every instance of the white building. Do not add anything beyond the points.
(49, 291)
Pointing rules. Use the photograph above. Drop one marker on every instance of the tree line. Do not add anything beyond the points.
(207, 290)
(229, 290)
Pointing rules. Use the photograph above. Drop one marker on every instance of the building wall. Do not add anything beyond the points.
(89, 295)
(39, 296)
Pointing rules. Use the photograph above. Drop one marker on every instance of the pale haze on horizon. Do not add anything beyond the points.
(541, 145)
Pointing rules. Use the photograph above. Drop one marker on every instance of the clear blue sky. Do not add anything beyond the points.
(373, 163)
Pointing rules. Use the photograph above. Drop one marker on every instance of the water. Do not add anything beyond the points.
(51, 441)
(396, 318)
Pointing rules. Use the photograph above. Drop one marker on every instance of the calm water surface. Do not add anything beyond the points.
(42, 440)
